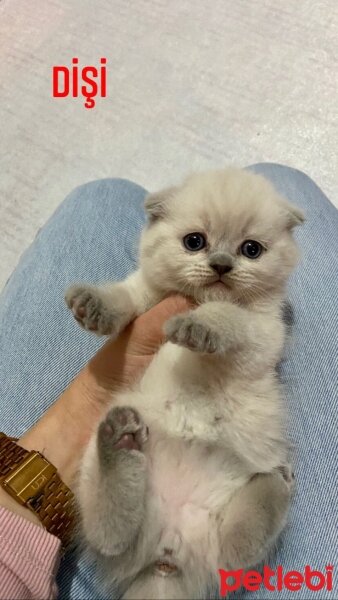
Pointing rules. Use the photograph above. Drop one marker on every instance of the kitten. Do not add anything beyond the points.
(188, 472)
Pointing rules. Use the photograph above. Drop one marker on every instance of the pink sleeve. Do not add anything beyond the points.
(29, 558)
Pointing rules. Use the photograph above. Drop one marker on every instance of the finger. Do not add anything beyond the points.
(149, 326)
(141, 339)
(170, 306)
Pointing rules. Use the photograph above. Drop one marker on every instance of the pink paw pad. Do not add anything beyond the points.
(128, 442)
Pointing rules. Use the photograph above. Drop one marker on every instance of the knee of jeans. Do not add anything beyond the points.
(298, 180)
(105, 194)
(275, 169)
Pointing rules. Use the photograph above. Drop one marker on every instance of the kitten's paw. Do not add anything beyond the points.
(188, 331)
(90, 310)
(122, 428)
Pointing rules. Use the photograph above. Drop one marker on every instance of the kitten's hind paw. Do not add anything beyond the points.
(189, 331)
(90, 310)
(122, 429)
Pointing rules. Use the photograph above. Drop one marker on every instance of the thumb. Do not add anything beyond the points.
(146, 332)
(136, 345)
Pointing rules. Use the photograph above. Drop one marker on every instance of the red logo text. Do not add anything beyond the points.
(87, 81)
(252, 581)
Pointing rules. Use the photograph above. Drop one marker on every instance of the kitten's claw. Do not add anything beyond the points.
(288, 475)
(122, 428)
(90, 310)
(187, 330)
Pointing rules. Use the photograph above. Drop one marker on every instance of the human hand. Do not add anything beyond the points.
(120, 362)
(63, 431)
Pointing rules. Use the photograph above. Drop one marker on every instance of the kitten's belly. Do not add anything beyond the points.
(192, 470)
(191, 479)
(189, 459)
(189, 483)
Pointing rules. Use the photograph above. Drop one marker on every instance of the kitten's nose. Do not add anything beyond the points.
(221, 269)
(221, 263)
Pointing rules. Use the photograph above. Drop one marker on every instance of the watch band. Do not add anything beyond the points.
(34, 482)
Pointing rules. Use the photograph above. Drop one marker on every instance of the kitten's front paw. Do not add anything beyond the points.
(188, 331)
(90, 310)
(122, 429)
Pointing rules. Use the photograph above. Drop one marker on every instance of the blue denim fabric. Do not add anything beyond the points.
(93, 237)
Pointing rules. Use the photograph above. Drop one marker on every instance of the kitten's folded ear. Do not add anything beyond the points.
(156, 204)
(294, 215)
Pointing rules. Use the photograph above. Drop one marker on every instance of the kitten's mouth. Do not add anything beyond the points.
(219, 284)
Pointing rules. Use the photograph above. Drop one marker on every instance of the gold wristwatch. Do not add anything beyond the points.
(34, 482)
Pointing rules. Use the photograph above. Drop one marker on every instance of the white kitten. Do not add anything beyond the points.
(187, 473)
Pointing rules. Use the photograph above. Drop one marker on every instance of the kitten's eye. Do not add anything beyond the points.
(251, 249)
(194, 241)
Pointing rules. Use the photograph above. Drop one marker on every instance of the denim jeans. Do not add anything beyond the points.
(93, 237)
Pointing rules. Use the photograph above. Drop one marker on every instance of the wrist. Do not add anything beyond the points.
(7, 502)
(64, 430)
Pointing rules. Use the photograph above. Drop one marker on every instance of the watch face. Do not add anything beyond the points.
(28, 479)
(34, 482)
